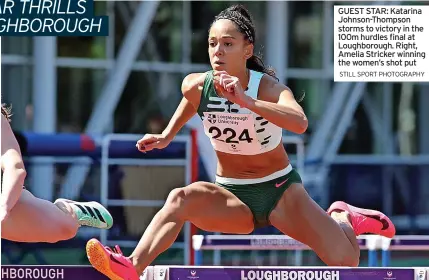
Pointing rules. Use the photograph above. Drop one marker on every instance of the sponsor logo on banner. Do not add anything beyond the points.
(144, 275)
(147, 274)
(193, 275)
(421, 274)
(289, 275)
(162, 273)
(389, 275)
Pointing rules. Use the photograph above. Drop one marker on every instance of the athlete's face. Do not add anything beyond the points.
(228, 49)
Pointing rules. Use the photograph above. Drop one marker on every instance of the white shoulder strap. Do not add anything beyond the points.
(254, 81)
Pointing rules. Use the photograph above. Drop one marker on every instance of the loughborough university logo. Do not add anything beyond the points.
(211, 118)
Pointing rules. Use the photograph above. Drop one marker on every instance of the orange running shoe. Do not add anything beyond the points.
(111, 263)
(365, 220)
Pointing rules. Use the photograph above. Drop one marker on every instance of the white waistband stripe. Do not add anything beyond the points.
(235, 181)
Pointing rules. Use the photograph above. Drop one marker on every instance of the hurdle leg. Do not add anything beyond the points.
(217, 255)
(197, 241)
(372, 244)
(372, 258)
(298, 257)
(198, 257)
(385, 258)
(385, 253)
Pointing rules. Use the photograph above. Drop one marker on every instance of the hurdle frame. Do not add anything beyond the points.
(188, 162)
(372, 243)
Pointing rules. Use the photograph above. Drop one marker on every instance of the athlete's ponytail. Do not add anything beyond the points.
(256, 63)
(6, 112)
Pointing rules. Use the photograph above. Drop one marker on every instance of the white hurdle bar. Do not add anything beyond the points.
(175, 272)
(372, 243)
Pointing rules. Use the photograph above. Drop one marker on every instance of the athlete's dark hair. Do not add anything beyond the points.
(242, 18)
(244, 22)
(6, 112)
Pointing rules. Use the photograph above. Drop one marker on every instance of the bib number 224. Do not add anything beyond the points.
(230, 135)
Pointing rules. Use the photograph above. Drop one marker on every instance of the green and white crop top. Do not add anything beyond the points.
(233, 129)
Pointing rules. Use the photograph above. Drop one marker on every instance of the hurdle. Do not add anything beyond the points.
(182, 151)
(281, 273)
(372, 243)
(175, 272)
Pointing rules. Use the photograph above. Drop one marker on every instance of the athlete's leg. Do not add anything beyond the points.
(298, 216)
(37, 220)
(206, 205)
(331, 235)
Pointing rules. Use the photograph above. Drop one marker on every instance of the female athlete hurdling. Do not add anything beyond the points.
(244, 109)
(26, 218)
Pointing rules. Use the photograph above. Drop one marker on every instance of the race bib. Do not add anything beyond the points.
(232, 133)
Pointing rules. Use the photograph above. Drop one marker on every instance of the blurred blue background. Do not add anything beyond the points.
(367, 143)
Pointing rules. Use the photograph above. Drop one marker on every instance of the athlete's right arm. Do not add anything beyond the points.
(13, 168)
(191, 89)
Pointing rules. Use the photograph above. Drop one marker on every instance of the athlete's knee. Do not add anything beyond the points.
(176, 202)
(175, 198)
(64, 231)
(182, 201)
(348, 261)
(343, 257)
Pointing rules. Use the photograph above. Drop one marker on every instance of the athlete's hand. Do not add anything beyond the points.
(152, 141)
(230, 88)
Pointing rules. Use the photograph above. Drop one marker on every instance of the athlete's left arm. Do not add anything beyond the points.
(13, 169)
(278, 106)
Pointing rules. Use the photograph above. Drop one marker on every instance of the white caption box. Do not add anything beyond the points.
(381, 43)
